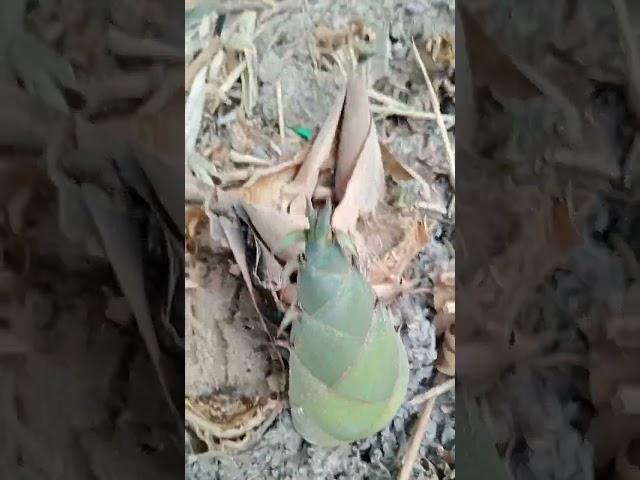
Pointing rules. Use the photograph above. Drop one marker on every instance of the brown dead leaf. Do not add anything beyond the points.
(444, 295)
(542, 244)
(273, 225)
(330, 39)
(123, 248)
(320, 155)
(491, 65)
(396, 260)
(359, 180)
(266, 186)
(359, 183)
(442, 321)
(237, 245)
(394, 167)
(195, 219)
(446, 363)
(354, 131)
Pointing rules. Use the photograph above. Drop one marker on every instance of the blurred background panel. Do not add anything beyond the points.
(546, 239)
(91, 240)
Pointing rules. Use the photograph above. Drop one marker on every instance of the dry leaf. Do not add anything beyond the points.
(493, 66)
(444, 301)
(394, 167)
(319, 156)
(395, 261)
(445, 293)
(237, 245)
(354, 130)
(193, 111)
(442, 321)
(266, 185)
(359, 183)
(390, 290)
(273, 225)
(446, 363)
(195, 219)
(123, 247)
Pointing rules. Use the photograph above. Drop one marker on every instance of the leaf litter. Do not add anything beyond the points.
(262, 84)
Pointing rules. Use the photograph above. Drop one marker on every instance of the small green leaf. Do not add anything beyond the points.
(303, 132)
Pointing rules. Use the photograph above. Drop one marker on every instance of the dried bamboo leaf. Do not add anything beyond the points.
(274, 225)
(194, 109)
(121, 241)
(319, 157)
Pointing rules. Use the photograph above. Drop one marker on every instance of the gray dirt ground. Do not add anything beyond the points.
(284, 52)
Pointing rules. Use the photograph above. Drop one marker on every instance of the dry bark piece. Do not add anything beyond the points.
(446, 363)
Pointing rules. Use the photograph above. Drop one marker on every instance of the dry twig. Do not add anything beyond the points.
(202, 60)
(414, 447)
(451, 158)
(280, 111)
(434, 392)
(391, 106)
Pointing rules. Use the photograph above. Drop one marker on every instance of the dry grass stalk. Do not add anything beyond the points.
(434, 392)
(202, 60)
(451, 157)
(391, 106)
(280, 111)
(245, 159)
(421, 427)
